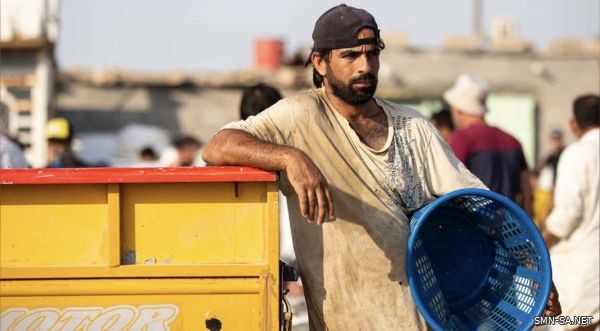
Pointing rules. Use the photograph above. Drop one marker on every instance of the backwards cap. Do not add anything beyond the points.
(339, 26)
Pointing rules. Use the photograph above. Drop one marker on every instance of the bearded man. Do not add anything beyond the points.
(376, 161)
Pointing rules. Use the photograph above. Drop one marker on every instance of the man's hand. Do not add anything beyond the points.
(236, 147)
(553, 305)
(310, 186)
(549, 238)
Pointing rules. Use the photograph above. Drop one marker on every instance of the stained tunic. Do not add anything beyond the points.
(353, 268)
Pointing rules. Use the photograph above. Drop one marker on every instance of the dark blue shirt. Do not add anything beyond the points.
(493, 155)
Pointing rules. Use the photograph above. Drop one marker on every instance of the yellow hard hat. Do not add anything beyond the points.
(58, 128)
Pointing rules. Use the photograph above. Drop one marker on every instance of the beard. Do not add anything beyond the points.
(349, 94)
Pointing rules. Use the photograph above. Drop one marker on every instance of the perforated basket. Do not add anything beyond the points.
(476, 261)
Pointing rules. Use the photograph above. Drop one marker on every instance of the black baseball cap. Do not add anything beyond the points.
(339, 26)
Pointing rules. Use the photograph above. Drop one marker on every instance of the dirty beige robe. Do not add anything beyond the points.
(353, 268)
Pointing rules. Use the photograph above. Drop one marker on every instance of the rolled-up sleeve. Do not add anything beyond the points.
(273, 125)
(444, 171)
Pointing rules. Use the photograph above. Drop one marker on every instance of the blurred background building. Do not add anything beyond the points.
(28, 34)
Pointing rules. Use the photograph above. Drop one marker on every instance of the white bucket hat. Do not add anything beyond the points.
(468, 94)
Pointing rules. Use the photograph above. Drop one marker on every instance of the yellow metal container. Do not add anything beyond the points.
(139, 249)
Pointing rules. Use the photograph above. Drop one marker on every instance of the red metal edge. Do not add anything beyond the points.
(134, 175)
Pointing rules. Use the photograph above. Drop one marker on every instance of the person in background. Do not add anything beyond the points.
(148, 158)
(255, 99)
(187, 148)
(59, 133)
(147, 154)
(571, 230)
(11, 151)
(442, 120)
(11, 154)
(546, 177)
(377, 161)
(558, 145)
(491, 154)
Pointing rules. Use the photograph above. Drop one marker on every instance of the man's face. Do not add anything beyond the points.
(557, 142)
(351, 73)
(187, 154)
(456, 117)
(56, 148)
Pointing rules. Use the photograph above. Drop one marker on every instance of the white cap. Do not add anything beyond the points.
(468, 94)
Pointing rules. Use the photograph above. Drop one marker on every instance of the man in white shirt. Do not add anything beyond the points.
(11, 155)
(571, 229)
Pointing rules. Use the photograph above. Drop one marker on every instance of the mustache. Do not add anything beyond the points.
(363, 78)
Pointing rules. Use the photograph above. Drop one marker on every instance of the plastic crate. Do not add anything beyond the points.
(476, 261)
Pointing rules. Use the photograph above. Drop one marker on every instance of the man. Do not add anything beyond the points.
(187, 148)
(376, 160)
(257, 98)
(59, 133)
(147, 158)
(11, 154)
(442, 120)
(493, 155)
(571, 229)
(543, 185)
(558, 145)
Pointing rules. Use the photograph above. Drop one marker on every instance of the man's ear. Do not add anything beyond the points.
(319, 63)
(455, 115)
(574, 127)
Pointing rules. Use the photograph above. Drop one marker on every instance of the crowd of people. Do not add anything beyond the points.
(566, 202)
(183, 151)
(355, 167)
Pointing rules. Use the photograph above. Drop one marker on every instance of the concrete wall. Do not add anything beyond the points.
(405, 75)
(187, 110)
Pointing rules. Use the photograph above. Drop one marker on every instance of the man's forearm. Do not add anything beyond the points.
(237, 147)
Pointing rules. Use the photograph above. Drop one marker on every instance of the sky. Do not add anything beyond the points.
(211, 36)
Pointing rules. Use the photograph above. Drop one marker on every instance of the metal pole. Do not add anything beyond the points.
(477, 13)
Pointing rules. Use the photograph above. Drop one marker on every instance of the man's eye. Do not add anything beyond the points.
(350, 55)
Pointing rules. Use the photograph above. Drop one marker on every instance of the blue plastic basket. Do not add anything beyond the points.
(476, 261)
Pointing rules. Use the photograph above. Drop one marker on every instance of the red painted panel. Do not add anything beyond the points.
(134, 175)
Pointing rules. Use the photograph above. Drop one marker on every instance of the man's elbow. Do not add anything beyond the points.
(208, 155)
(212, 152)
(222, 149)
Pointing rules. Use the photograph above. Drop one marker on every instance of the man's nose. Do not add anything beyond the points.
(364, 65)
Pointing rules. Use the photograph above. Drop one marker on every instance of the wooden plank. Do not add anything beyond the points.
(135, 175)
(16, 80)
(134, 271)
(114, 225)
(103, 287)
(272, 281)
